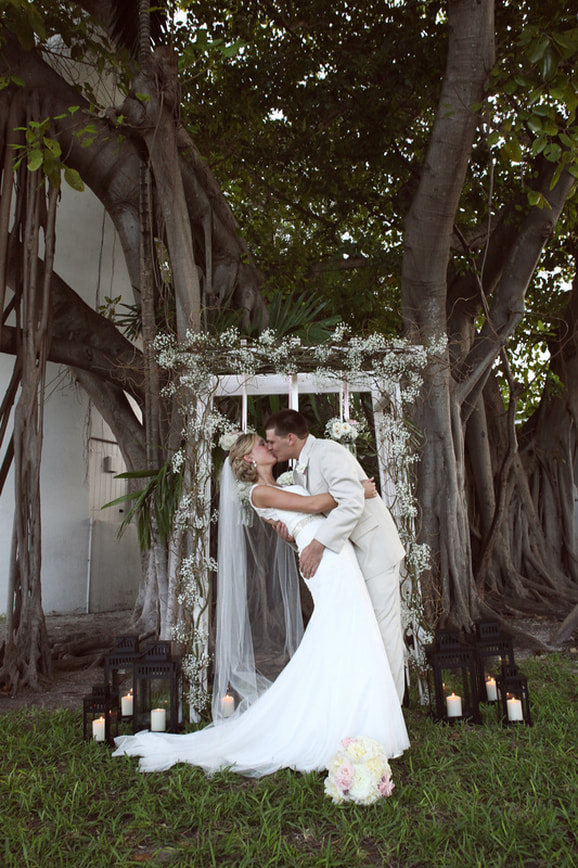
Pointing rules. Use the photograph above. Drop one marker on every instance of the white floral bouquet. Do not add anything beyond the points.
(359, 772)
(228, 439)
(285, 478)
(345, 431)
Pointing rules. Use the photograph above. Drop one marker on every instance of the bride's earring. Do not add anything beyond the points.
(253, 462)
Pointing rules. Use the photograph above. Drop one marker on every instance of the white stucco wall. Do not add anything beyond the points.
(74, 578)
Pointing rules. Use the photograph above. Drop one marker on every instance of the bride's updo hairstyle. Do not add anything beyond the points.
(243, 470)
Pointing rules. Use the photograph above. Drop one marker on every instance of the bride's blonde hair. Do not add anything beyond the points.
(243, 470)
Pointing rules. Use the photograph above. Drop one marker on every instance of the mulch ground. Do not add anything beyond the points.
(70, 685)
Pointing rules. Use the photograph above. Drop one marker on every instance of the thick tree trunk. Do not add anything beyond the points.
(26, 655)
(450, 588)
(500, 523)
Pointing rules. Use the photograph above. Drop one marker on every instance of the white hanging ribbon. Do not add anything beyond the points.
(345, 400)
(243, 403)
(293, 392)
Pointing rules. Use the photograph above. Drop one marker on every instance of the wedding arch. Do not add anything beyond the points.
(205, 368)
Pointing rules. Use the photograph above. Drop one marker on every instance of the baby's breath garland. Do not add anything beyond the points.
(381, 364)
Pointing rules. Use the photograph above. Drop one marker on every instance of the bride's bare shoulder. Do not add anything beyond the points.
(261, 494)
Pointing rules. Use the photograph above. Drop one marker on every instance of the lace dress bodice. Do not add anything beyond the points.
(301, 525)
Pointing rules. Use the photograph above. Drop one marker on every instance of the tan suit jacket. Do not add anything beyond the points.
(325, 465)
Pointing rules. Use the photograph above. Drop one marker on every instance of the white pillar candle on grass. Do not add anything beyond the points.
(158, 720)
(98, 729)
(227, 705)
(514, 709)
(126, 705)
(491, 689)
(454, 705)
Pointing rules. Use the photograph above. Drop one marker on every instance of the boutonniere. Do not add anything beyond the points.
(301, 468)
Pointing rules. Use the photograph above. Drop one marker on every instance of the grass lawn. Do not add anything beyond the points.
(464, 796)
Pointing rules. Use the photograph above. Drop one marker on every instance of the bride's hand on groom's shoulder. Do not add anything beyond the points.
(369, 488)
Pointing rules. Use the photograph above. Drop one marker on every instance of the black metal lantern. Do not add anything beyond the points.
(119, 672)
(157, 690)
(100, 715)
(513, 697)
(491, 649)
(454, 696)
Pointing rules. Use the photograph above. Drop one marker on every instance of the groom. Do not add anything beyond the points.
(324, 465)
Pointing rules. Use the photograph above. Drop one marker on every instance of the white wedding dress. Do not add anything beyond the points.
(337, 684)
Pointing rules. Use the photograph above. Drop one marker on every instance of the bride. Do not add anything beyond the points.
(337, 683)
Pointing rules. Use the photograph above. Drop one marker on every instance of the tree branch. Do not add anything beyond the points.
(83, 338)
(507, 308)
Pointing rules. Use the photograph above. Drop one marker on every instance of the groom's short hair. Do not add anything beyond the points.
(286, 422)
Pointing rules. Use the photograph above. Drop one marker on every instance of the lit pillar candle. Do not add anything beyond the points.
(491, 690)
(158, 720)
(454, 705)
(126, 705)
(227, 705)
(98, 731)
(514, 709)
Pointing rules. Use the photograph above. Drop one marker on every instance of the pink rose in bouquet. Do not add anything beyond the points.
(359, 772)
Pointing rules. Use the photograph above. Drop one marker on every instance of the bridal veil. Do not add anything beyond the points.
(258, 608)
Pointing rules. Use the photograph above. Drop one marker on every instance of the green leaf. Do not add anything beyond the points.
(537, 49)
(20, 26)
(73, 179)
(537, 199)
(544, 111)
(534, 123)
(556, 175)
(124, 498)
(53, 146)
(234, 49)
(567, 41)
(550, 127)
(137, 474)
(513, 150)
(35, 159)
(549, 64)
(538, 145)
(553, 152)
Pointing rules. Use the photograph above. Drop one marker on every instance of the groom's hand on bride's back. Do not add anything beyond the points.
(311, 558)
(282, 531)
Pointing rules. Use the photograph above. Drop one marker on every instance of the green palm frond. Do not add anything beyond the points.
(299, 314)
(158, 500)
